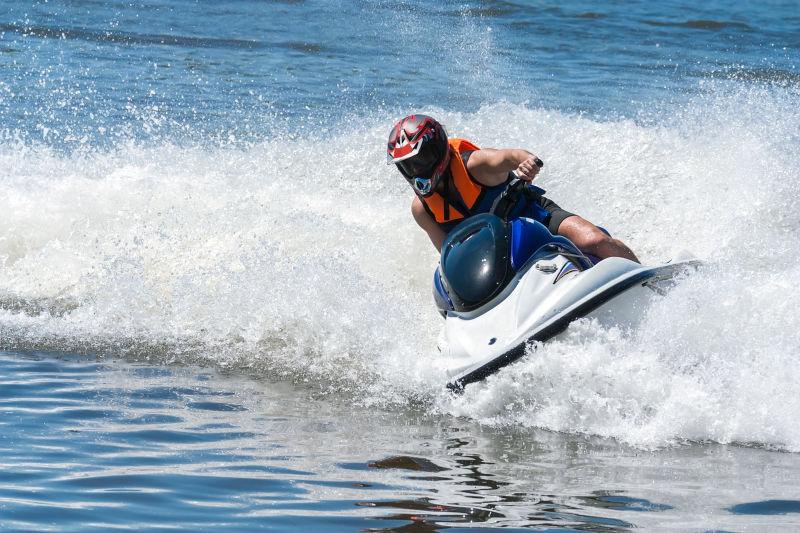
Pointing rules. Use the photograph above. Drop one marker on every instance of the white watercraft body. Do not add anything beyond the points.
(504, 284)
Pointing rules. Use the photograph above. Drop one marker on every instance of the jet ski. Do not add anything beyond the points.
(505, 284)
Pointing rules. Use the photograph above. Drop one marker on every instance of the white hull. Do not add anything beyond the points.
(547, 296)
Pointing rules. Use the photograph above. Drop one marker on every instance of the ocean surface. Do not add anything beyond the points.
(215, 307)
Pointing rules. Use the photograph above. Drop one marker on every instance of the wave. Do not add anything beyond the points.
(702, 24)
(768, 75)
(127, 38)
(296, 257)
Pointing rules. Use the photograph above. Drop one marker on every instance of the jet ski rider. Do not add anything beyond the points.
(453, 179)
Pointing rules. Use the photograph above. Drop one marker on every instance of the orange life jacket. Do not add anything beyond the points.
(444, 211)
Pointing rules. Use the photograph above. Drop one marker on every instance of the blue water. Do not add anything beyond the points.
(215, 309)
(94, 445)
(204, 69)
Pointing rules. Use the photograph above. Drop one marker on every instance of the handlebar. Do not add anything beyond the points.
(504, 203)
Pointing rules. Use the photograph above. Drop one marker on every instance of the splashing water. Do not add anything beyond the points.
(295, 258)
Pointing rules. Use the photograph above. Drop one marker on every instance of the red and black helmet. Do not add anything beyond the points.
(418, 146)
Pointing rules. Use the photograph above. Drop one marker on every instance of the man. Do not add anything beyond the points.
(453, 179)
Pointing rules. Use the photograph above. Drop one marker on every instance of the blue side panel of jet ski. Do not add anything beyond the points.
(443, 302)
(527, 236)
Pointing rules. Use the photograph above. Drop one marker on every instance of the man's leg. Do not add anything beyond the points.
(591, 239)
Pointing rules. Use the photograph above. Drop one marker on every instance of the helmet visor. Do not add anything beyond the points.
(422, 164)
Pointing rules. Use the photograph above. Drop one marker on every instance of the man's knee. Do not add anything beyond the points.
(583, 233)
(593, 240)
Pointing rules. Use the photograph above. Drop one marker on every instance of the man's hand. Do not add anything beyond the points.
(490, 167)
(528, 169)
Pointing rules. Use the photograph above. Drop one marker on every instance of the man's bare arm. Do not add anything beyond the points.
(491, 166)
(435, 233)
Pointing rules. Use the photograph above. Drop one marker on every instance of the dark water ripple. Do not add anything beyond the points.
(769, 507)
(702, 24)
(91, 445)
(83, 34)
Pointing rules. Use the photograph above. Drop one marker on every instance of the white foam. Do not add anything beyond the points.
(298, 257)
